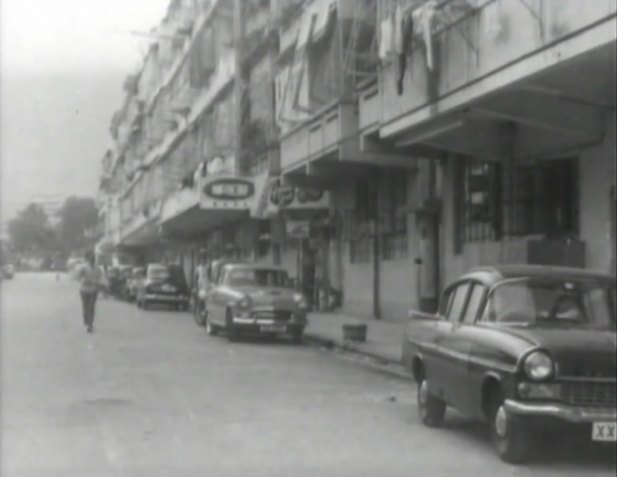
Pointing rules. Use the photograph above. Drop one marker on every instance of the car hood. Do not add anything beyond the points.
(269, 296)
(577, 351)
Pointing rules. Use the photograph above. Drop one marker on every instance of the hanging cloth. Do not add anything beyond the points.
(398, 30)
(407, 50)
(424, 17)
(385, 39)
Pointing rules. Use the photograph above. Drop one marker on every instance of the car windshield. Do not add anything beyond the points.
(553, 302)
(159, 272)
(258, 277)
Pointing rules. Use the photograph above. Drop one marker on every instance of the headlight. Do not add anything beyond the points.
(202, 294)
(300, 300)
(244, 302)
(538, 366)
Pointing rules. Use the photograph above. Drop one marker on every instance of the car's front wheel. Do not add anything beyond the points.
(431, 409)
(510, 437)
(232, 332)
(211, 328)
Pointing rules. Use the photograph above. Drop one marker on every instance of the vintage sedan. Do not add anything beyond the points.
(164, 284)
(523, 347)
(255, 298)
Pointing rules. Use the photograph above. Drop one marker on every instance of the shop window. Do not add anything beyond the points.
(360, 250)
(545, 199)
(393, 216)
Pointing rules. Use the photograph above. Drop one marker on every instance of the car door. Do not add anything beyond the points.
(460, 342)
(440, 358)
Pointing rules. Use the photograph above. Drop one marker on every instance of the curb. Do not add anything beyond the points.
(384, 363)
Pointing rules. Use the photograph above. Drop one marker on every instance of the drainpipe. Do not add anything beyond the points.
(239, 84)
(376, 257)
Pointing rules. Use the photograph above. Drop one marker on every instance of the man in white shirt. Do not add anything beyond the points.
(91, 279)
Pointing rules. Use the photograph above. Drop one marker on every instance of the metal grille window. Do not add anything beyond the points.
(360, 250)
(544, 199)
(481, 201)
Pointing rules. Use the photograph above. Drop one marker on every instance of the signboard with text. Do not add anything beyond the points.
(227, 192)
(294, 197)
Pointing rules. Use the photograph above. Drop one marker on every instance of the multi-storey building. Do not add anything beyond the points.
(374, 147)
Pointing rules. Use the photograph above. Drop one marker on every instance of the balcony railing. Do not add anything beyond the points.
(487, 39)
(331, 131)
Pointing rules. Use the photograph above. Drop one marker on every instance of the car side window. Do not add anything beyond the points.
(473, 306)
(457, 305)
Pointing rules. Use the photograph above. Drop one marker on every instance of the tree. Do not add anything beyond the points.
(78, 220)
(30, 230)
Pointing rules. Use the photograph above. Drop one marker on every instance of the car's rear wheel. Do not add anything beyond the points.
(510, 437)
(296, 336)
(431, 409)
(144, 304)
(232, 331)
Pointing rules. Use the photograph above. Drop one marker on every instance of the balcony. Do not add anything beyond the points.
(332, 131)
(489, 49)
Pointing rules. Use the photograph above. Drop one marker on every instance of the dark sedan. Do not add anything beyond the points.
(522, 347)
(165, 285)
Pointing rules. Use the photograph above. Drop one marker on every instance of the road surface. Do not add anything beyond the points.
(150, 394)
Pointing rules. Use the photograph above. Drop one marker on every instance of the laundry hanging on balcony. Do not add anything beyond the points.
(424, 19)
(404, 56)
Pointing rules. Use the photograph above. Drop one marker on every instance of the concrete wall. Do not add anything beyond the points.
(398, 277)
(597, 174)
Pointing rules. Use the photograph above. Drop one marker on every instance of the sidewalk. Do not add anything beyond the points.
(383, 338)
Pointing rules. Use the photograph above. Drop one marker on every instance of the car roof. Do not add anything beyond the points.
(496, 273)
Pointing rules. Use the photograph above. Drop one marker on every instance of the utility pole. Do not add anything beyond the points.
(239, 84)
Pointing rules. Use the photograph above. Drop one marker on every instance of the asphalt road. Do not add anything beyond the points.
(150, 394)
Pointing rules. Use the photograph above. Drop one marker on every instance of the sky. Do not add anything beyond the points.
(62, 66)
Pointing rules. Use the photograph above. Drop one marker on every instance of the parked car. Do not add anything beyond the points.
(7, 270)
(136, 276)
(255, 298)
(522, 347)
(163, 284)
(200, 293)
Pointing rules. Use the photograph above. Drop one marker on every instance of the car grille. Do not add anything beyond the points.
(589, 394)
(273, 315)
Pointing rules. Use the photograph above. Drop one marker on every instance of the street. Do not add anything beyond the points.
(150, 394)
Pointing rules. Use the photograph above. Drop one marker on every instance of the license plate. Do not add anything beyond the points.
(168, 288)
(604, 431)
(272, 328)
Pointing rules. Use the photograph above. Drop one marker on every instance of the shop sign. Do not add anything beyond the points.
(229, 189)
(230, 193)
(297, 228)
(286, 196)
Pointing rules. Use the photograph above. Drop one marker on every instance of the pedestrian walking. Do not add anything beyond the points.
(91, 280)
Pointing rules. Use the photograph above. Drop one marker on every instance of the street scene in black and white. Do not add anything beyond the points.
(306, 238)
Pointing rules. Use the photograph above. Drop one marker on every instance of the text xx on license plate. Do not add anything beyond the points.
(604, 431)
(272, 328)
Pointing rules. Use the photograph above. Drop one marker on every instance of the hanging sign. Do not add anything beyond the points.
(291, 197)
(297, 228)
(227, 193)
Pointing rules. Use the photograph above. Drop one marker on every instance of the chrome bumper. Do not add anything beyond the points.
(573, 414)
(168, 298)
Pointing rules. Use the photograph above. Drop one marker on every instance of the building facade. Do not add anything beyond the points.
(374, 148)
